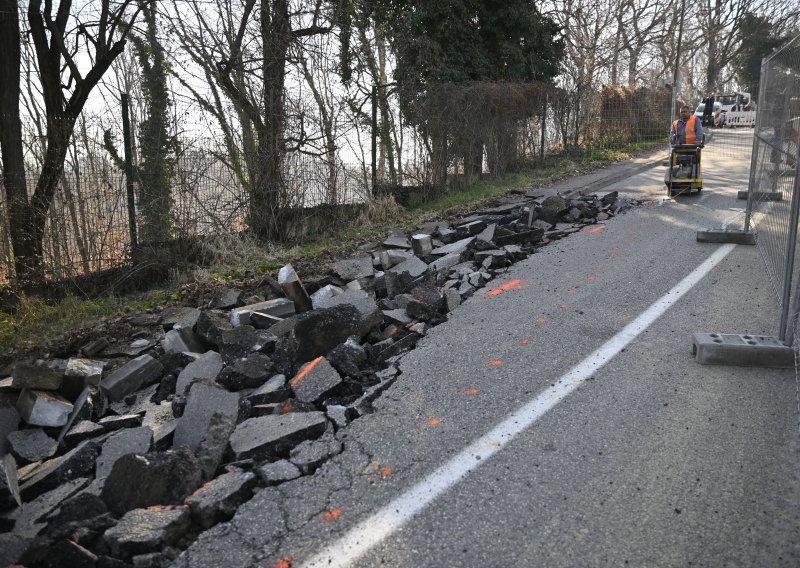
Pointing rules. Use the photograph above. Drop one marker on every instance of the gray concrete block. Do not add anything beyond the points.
(137, 373)
(31, 445)
(280, 307)
(741, 350)
(315, 380)
(414, 266)
(421, 244)
(207, 366)
(354, 268)
(272, 437)
(124, 442)
(218, 500)
(146, 530)
(293, 287)
(41, 408)
(735, 236)
(204, 400)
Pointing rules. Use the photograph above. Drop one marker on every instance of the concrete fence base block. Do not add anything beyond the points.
(741, 350)
(735, 236)
(761, 195)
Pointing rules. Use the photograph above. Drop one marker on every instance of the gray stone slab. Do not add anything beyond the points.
(36, 377)
(280, 307)
(293, 287)
(738, 237)
(218, 500)
(456, 247)
(414, 266)
(42, 408)
(315, 380)
(31, 445)
(146, 530)
(204, 400)
(421, 244)
(207, 366)
(272, 437)
(371, 316)
(397, 240)
(182, 341)
(137, 373)
(113, 423)
(325, 293)
(445, 262)
(8, 477)
(354, 268)
(396, 256)
(179, 317)
(278, 472)
(124, 442)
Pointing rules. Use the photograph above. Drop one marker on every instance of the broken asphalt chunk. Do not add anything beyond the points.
(277, 472)
(413, 266)
(311, 454)
(138, 373)
(147, 530)
(31, 445)
(354, 268)
(204, 400)
(218, 500)
(293, 288)
(36, 377)
(272, 437)
(48, 475)
(280, 307)
(128, 441)
(316, 380)
(368, 309)
(207, 366)
(41, 408)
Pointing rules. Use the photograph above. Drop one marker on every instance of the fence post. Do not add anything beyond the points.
(126, 135)
(794, 215)
(374, 140)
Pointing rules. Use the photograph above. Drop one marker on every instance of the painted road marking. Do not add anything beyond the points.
(370, 532)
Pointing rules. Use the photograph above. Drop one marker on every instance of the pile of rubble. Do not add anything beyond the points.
(123, 454)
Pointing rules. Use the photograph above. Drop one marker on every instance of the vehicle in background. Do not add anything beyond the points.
(717, 117)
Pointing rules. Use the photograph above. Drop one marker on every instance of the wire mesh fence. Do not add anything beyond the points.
(429, 139)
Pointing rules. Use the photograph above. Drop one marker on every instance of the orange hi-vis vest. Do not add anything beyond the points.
(691, 132)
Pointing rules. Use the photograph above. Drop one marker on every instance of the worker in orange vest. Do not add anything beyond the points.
(687, 129)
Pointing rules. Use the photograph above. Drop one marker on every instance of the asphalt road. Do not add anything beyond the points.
(652, 461)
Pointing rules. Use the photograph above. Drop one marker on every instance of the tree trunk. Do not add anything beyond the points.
(11, 140)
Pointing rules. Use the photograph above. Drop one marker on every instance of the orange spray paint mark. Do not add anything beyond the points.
(541, 321)
(524, 341)
(306, 370)
(592, 230)
(386, 472)
(283, 562)
(615, 247)
(286, 408)
(572, 291)
(434, 422)
(472, 391)
(562, 306)
(496, 362)
(591, 278)
(512, 285)
(332, 515)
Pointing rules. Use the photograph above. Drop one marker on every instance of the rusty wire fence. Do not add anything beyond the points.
(436, 140)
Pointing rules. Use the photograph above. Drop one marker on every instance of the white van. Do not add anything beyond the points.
(718, 116)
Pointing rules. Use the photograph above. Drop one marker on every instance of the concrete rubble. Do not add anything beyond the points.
(167, 433)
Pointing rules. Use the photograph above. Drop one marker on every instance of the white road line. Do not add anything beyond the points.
(370, 532)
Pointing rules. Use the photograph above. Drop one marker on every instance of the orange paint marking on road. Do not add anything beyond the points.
(286, 408)
(562, 306)
(332, 515)
(472, 391)
(541, 321)
(591, 278)
(516, 284)
(572, 291)
(496, 362)
(386, 472)
(599, 266)
(283, 562)
(434, 422)
(595, 229)
(524, 341)
(306, 370)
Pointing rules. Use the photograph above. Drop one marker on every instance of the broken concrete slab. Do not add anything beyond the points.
(272, 437)
(445, 262)
(293, 288)
(147, 530)
(218, 500)
(317, 332)
(204, 400)
(398, 316)
(179, 317)
(9, 419)
(278, 472)
(397, 239)
(274, 390)
(207, 366)
(42, 408)
(421, 244)
(311, 454)
(457, 247)
(243, 340)
(452, 299)
(182, 341)
(249, 372)
(371, 316)
(212, 449)
(31, 445)
(81, 373)
(325, 293)
(36, 377)
(280, 307)
(30, 519)
(114, 423)
(48, 475)
(211, 324)
(137, 373)
(128, 441)
(315, 380)
(354, 268)
(225, 299)
(348, 357)
(471, 228)
(83, 430)
(413, 266)
(155, 478)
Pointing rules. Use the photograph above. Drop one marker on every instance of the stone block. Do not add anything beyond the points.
(280, 307)
(293, 288)
(325, 293)
(147, 530)
(31, 445)
(179, 317)
(421, 244)
(81, 373)
(457, 247)
(204, 400)
(368, 309)
(317, 332)
(278, 472)
(471, 228)
(137, 373)
(36, 377)
(272, 437)
(124, 442)
(243, 340)
(9, 419)
(207, 366)
(156, 478)
(315, 380)
(211, 324)
(348, 357)
(249, 372)
(41, 408)
(218, 500)
(413, 266)
(397, 239)
(354, 268)
(487, 235)
(182, 341)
